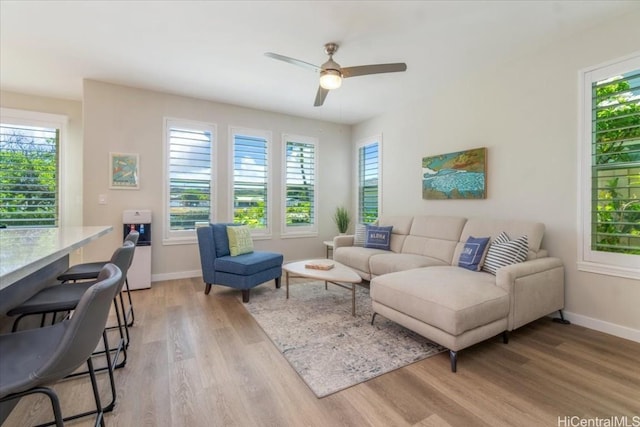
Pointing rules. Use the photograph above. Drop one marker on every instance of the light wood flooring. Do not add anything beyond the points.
(199, 360)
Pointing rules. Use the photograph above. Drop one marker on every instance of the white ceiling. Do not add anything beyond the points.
(214, 49)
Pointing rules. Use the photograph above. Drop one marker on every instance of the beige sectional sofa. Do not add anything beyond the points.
(419, 285)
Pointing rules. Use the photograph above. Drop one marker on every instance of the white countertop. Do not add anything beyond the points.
(26, 250)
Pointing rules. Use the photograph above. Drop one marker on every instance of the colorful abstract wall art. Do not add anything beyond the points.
(460, 175)
(124, 171)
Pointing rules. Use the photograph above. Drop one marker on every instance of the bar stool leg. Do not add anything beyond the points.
(130, 311)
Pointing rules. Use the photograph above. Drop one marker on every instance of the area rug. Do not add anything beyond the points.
(329, 348)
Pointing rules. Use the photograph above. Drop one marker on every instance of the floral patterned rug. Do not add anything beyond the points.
(329, 348)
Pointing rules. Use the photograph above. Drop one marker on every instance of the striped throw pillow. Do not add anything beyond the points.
(504, 251)
(360, 235)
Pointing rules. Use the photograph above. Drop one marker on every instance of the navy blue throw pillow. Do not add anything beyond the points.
(378, 237)
(221, 239)
(472, 253)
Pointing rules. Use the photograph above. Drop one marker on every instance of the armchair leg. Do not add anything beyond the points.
(453, 356)
(207, 288)
(278, 282)
(245, 295)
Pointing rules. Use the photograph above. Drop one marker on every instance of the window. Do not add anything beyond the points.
(300, 154)
(30, 168)
(368, 181)
(250, 192)
(610, 169)
(189, 190)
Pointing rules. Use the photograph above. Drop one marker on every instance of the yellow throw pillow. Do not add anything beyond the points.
(240, 241)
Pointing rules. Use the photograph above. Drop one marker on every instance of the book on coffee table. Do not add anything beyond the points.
(320, 265)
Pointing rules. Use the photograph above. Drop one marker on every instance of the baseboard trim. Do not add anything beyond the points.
(602, 326)
(176, 275)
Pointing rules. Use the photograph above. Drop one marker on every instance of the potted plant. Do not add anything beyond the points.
(342, 219)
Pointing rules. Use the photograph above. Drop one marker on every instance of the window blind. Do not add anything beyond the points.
(189, 177)
(368, 177)
(300, 184)
(616, 164)
(250, 181)
(29, 170)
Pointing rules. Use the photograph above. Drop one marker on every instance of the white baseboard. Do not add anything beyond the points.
(176, 275)
(602, 326)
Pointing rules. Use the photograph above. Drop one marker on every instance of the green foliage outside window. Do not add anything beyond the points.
(616, 175)
(28, 178)
(299, 214)
(252, 216)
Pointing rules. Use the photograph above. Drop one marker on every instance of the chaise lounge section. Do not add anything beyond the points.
(419, 284)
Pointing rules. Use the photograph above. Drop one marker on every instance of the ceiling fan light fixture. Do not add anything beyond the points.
(331, 73)
(330, 79)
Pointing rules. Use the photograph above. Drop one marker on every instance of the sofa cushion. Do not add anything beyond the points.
(391, 262)
(356, 257)
(438, 227)
(473, 253)
(504, 251)
(240, 241)
(450, 298)
(434, 236)
(378, 237)
(401, 224)
(247, 264)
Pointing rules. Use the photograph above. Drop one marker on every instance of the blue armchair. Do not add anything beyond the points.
(240, 272)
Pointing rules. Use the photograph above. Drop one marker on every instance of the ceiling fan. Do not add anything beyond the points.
(331, 73)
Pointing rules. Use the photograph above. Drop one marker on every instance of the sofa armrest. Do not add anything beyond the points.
(344, 240)
(536, 289)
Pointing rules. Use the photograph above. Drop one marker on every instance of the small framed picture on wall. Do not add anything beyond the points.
(124, 171)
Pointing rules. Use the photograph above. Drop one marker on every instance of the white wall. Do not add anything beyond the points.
(124, 119)
(525, 113)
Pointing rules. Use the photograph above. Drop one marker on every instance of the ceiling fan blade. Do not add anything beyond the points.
(293, 61)
(363, 70)
(320, 96)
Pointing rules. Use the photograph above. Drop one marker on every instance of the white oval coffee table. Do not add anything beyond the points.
(339, 275)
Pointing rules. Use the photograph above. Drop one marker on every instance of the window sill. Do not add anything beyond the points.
(298, 235)
(261, 236)
(609, 270)
(180, 241)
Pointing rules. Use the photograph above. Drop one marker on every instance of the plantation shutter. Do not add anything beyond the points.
(300, 184)
(189, 177)
(616, 164)
(368, 177)
(29, 172)
(250, 180)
